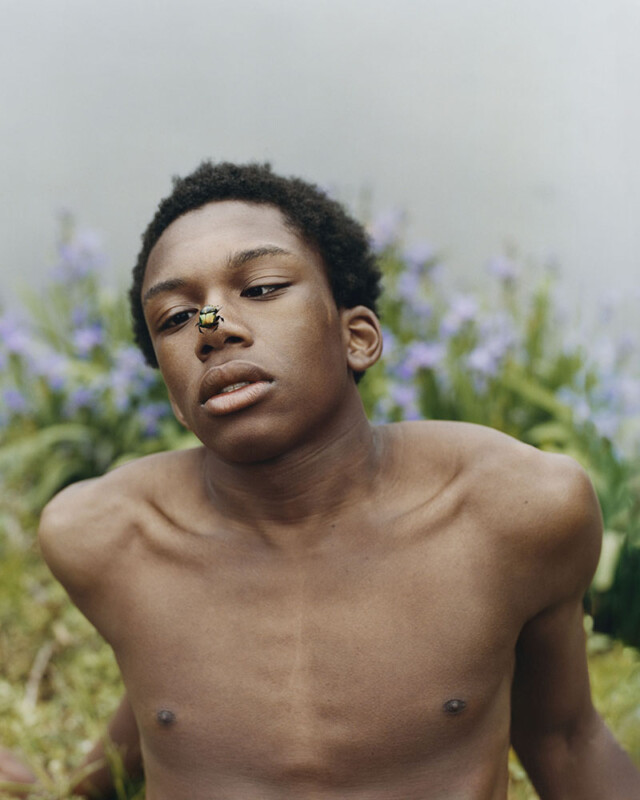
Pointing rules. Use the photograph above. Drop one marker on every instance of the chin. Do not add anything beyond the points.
(249, 447)
(253, 436)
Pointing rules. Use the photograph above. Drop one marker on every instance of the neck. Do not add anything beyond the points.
(301, 489)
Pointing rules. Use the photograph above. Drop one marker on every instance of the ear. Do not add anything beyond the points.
(178, 413)
(362, 336)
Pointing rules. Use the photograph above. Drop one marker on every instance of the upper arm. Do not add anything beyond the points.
(551, 699)
(60, 535)
(82, 532)
(551, 695)
(548, 524)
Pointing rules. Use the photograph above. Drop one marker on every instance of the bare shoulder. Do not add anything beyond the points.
(543, 507)
(539, 509)
(90, 523)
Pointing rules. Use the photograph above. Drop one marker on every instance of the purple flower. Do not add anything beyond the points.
(9, 322)
(402, 370)
(498, 334)
(419, 255)
(150, 415)
(606, 423)
(405, 397)
(577, 402)
(463, 309)
(629, 389)
(82, 397)
(384, 231)
(496, 337)
(79, 257)
(401, 397)
(464, 306)
(605, 354)
(86, 339)
(129, 360)
(390, 343)
(18, 342)
(626, 347)
(130, 377)
(13, 336)
(15, 401)
(409, 289)
(51, 366)
(122, 391)
(424, 355)
(408, 285)
(620, 393)
(80, 316)
(503, 268)
(482, 360)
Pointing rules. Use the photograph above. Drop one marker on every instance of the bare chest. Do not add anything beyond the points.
(318, 666)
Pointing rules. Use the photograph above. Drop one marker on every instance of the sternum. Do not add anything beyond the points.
(298, 689)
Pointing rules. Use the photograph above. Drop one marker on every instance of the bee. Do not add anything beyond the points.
(209, 318)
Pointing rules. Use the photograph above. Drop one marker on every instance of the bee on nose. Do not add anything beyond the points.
(209, 318)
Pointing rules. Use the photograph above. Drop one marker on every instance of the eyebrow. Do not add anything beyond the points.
(238, 259)
(164, 286)
(234, 261)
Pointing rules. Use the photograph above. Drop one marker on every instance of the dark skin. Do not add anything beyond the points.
(313, 608)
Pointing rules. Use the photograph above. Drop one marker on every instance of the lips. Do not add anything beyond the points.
(229, 378)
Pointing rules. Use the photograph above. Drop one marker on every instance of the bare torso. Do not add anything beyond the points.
(309, 675)
(370, 658)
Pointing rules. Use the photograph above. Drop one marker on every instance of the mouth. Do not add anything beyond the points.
(232, 386)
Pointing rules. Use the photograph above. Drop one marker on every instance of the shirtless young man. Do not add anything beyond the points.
(308, 607)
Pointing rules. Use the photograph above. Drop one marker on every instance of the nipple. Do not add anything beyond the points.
(454, 706)
(165, 717)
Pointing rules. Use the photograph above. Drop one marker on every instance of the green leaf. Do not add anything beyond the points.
(549, 433)
(532, 391)
(39, 444)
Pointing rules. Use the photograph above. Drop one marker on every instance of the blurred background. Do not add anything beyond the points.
(490, 124)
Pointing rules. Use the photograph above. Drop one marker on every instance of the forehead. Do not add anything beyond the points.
(220, 229)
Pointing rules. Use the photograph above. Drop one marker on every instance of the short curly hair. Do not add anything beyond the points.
(321, 222)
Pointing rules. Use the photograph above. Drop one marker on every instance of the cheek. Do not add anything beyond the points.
(316, 340)
(167, 370)
(322, 357)
(318, 324)
(173, 352)
(174, 375)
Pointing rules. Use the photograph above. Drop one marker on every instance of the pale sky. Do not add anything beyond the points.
(487, 121)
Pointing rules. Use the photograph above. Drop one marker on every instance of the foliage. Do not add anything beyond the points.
(77, 395)
(505, 357)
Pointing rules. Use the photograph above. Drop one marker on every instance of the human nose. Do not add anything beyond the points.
(220, 327)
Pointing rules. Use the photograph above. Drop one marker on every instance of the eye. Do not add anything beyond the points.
(263, 289)
(177, 319)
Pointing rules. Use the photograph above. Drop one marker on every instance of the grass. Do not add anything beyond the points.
(59, 682)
